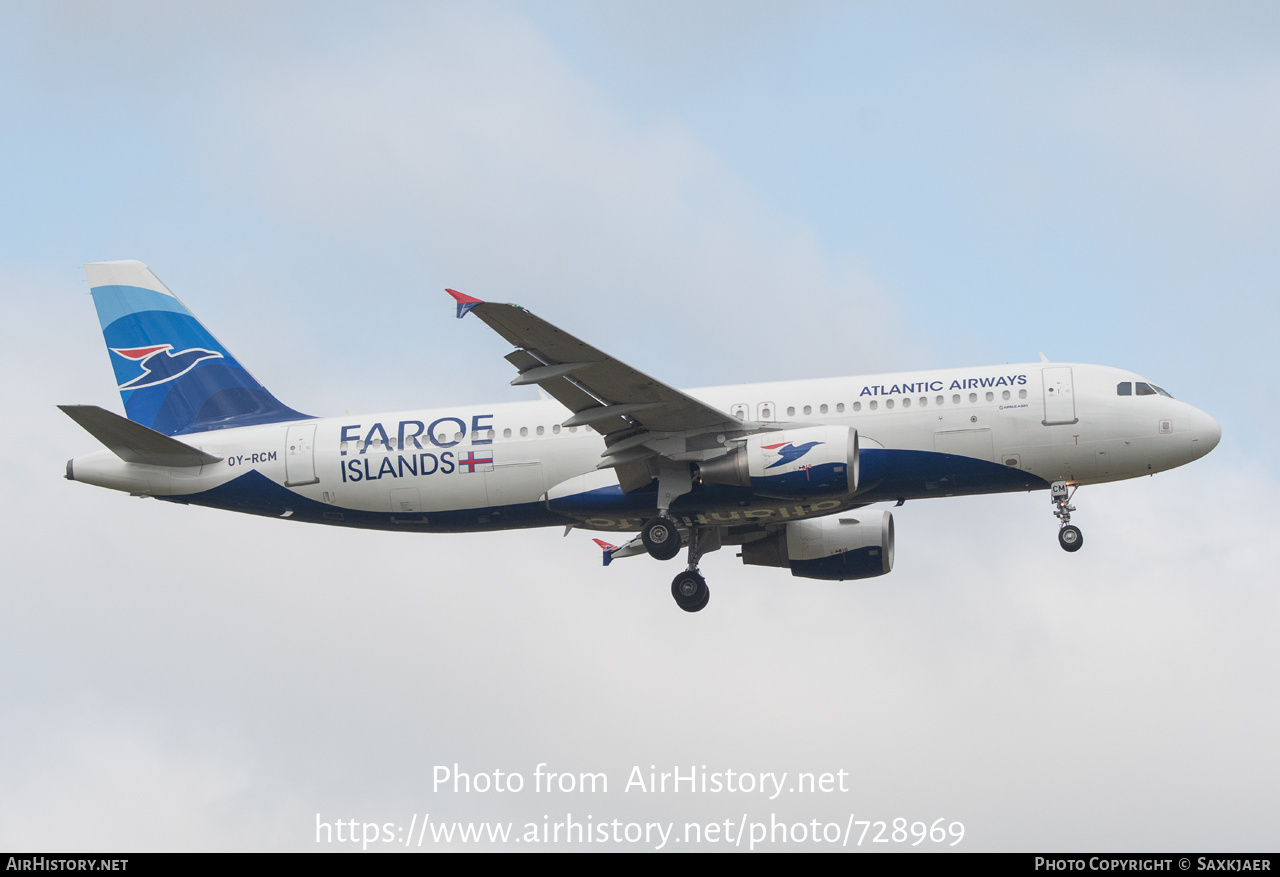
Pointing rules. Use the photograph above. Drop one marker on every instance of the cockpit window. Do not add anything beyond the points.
(1126, 388)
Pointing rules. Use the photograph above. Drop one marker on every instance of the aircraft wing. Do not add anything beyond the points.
(639, 416)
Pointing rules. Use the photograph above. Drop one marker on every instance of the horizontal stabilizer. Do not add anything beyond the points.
(630, 549)
(133, 442)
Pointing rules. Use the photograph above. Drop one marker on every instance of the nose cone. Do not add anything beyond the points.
(1205, 434)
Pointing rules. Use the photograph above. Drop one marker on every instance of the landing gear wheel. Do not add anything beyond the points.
(661, 538)
(1070, 538)
(691, 591)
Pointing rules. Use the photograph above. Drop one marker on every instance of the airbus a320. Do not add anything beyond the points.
(786, 472)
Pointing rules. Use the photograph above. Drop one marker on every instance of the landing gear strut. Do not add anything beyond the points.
(1069, 535)
(690, 588)
(660, 536)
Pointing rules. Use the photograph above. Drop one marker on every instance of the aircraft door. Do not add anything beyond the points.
(1059, 400)
(300, 456)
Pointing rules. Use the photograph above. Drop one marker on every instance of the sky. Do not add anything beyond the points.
(713, 192)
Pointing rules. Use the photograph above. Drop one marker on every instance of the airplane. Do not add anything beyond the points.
(786, 471)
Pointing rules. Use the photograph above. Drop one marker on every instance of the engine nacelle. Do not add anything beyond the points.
(792, 464)
(851, 545)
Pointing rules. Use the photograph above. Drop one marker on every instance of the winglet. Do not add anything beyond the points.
(465, 302)
(608, 550)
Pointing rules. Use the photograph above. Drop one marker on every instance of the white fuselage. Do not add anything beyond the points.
(1048, 421)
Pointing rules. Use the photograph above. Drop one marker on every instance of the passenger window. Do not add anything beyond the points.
(541, 430)
(840, 408)
(888, 403)
(1124, 388)
(873, 404)
(822, 409)
(506, 433)
(906, 403)
(555, 427)
(808, 409)
(857, 406)
(973, 397)
(791, 411)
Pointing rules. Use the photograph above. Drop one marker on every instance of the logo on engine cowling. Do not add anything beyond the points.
(788, 452)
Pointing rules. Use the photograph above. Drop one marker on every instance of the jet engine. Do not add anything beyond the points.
(791, 464)
(851, 545)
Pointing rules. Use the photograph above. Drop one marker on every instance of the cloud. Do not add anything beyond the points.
(470, 141)
(183, 678)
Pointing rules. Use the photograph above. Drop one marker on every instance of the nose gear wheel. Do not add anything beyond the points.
(1069, 535)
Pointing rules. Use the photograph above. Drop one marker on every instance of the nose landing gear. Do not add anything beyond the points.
(1069, 535)
(1070, 538)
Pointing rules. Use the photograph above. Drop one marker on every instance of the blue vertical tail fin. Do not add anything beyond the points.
(173, 375)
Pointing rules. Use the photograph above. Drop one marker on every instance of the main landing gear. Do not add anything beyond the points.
(1069, 535)
(660, 535)
(661, 538)
(690, 588)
